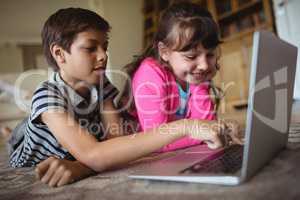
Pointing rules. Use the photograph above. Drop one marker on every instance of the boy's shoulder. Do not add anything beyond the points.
(50, 86)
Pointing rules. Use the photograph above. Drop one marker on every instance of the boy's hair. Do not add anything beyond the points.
(62, 27)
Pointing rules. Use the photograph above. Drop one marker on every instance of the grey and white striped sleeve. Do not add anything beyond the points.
(47, 97)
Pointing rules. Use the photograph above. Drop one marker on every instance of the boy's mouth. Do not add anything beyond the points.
(100, 68)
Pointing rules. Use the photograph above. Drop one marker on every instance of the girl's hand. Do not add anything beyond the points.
(216, 134)
(57, 172)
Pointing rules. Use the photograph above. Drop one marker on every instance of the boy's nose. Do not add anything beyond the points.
(101, 55)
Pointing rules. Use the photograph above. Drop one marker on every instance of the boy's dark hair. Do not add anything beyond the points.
(62, 27)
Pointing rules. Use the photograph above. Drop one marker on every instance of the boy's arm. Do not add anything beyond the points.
(57, 172)
(111, 120)
(117, 151)
(114, 152)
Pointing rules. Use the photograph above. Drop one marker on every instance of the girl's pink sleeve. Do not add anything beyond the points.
(149, 96)
(201, 105)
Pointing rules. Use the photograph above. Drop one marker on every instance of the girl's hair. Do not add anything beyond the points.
(182, 27)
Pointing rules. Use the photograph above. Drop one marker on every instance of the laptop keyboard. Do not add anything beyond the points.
(228, 162)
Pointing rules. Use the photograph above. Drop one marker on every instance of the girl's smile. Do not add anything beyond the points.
(193, 66)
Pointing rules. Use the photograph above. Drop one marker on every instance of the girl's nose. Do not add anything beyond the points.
(202, 64)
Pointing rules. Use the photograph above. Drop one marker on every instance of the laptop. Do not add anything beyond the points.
(270, 101)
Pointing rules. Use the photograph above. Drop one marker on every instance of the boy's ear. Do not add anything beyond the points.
(163, 51)
(58, 53)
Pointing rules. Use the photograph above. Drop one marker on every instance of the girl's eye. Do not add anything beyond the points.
(210, 55)
(190, 57)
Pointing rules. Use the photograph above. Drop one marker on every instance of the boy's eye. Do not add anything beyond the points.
(105, 47)
(91, 49)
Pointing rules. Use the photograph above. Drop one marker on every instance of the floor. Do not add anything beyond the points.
(279, 180)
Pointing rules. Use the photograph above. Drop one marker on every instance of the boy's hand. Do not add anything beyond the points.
(216, 134)
(233, 134)
(57, 172)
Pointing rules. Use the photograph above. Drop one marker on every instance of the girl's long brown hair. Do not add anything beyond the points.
(182, 27)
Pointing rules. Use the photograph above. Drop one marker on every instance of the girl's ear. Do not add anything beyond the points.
(58, 53)
(163, 51)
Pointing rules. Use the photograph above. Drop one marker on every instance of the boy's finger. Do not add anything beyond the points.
(215, 142)
(237, 140)
(65, 179)
(218, 127)
(58, 174)
(37, 172)
(42, 167)
(234, 135)
(51, 170)
(214, 145)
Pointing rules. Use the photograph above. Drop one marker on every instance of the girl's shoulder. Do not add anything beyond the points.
(150, 68)
(151, 63)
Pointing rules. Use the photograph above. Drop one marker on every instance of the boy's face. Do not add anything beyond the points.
(87, 58)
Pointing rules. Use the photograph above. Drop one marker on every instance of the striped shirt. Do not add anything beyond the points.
(38, 142)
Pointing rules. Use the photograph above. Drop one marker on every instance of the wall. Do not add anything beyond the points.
(126, 35)
(288, 27)
(21, 23)
(10, 58)
(22, 20)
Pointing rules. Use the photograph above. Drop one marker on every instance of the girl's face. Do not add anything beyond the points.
(193, 66)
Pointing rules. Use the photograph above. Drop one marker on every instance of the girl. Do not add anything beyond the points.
(172, 79)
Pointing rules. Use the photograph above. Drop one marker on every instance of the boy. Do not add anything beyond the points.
(71, 110)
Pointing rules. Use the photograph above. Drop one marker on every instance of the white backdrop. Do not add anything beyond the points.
(287, 14)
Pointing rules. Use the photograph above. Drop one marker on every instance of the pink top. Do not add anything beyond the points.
(156, 98)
